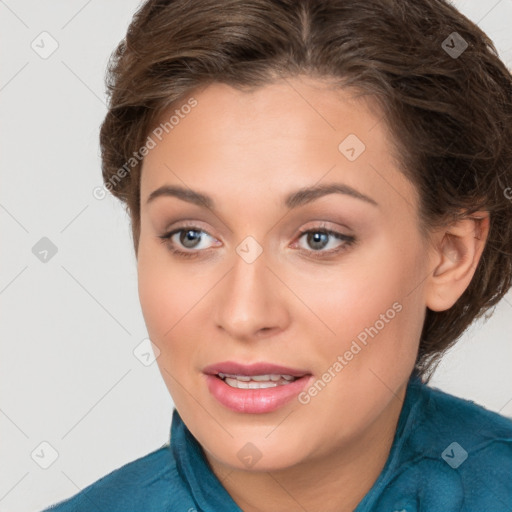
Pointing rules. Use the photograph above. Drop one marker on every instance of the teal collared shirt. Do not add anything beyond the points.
(448, 455)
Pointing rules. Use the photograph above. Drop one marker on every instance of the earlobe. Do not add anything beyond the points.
(458, 252)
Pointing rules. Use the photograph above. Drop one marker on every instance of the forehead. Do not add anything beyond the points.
(270, 139)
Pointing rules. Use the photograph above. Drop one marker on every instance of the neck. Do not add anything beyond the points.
(335, 482)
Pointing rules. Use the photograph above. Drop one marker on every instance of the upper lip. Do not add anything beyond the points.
(263, 368)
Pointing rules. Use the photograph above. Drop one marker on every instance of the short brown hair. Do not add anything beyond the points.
(450, 112)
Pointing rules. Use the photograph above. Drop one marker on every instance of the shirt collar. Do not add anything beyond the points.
(205, 488)
(409, 417)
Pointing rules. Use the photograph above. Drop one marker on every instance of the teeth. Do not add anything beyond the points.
(261, 378)
(244, 378)
(256, 381)
(235, 383)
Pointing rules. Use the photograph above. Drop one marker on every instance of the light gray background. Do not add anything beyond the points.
(69, 326)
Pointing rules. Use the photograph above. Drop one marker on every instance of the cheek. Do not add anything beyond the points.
(154, 301)
(164, 285)
(375, 300)
(162, 290)
(377, 323)
(172, 296)
(167, 298)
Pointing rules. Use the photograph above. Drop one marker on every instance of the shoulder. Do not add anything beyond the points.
(462, 450)
(143, 484)
(448, 454)
(452, 416)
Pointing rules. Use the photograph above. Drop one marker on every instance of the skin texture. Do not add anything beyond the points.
(248, 150)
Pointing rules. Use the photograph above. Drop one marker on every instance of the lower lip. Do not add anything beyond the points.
(255, 401)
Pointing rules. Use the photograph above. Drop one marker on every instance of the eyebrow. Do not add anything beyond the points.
(293, 200)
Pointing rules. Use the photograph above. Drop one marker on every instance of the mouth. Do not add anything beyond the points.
(256, 388)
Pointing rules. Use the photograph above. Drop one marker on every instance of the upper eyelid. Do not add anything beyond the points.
(301, 231)
(196, 225)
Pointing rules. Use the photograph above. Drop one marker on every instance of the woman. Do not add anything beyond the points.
(319, 207)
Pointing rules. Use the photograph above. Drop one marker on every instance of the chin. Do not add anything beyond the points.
(258, 452)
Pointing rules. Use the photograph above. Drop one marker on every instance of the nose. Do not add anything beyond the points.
(251, 302)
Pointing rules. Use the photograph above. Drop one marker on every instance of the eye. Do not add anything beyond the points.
(189, 237)
(320, 238)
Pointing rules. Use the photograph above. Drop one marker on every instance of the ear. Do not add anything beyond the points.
(456, 251)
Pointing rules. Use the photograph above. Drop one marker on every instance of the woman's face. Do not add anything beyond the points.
(261, 279)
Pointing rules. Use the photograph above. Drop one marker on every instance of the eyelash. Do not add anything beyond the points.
(348, 239)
